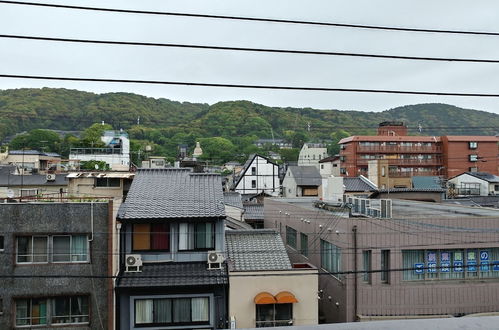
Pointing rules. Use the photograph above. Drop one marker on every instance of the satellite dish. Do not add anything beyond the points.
(10, 193)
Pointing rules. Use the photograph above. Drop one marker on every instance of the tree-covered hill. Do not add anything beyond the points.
(166, 123)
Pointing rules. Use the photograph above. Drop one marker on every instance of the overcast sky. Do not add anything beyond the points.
(24, 57)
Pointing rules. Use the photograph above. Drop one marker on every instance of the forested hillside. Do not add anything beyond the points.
(166, 123)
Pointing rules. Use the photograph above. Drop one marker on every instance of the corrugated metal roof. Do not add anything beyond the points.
(173, 193)
(253, 211)
(173, 275)
(7, 178)
(306, 175)
(426, 182)
(258, 249)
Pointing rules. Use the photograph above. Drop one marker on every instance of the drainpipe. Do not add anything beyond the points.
(356, 280)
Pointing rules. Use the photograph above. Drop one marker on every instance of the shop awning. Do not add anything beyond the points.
(264, 298)
(285, 297)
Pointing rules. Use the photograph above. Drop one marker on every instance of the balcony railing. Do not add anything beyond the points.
(412, 162)
(95, 151)
(276, 323)
(408, 174)
(399, 149)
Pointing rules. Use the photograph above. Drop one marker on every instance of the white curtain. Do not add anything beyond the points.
(200, 309)
(186, 236)
(79, 248)
(143, 311)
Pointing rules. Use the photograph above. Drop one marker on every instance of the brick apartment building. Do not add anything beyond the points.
(409, 156)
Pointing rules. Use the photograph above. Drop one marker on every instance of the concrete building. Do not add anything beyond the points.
(301, 181)
(330, 166)
(155, 162)
(15, 184)
(474, 184)
(311, 154)
(43, 245)
(31, 161)
(116, 153)
(266, 290)
(259, 175)
(425, 260)
(409, 156)
(172, 270)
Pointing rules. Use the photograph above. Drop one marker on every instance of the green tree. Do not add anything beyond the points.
(218, 149)
(91, 136)
(37, 139)
(334, 148)
(289, 155)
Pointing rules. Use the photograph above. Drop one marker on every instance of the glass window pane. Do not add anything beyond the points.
(61, 248)
(38, 311)
(61, 307)
(40, 253)
(200, 234)
(304, 244)
(160, 237)
(162, 311)
(413, 262)
(181, 310)
(24, 253)
(200, 310)
(143, 311)
(283, 312)
(265, 313)
(79, 248)
(23, 312)
(141, 237)
(366, 261)
(79, 309)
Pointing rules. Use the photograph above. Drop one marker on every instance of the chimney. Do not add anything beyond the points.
(392, 128)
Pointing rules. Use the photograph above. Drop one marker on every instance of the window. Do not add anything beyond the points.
(450, 264)
(1, 306)
(304, 244)
(1, 244)
(63, 310)
(473, 145)
(343, 170)
(196, 236)
(366, 261)
(385, 266)
(330, 257)
(473, 169)
(496, 188)
(274, 315)
(107, 182)
(253, 183)
(343, 158)
(64, 248)
(253, 170)
(322, 166)
(291, 237)
(473, 158)
(151, 237)
(29, 192)
(172, 311)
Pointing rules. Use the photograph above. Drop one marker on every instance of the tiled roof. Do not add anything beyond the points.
(258, 249)
(253, 211)
(173, 193)
(358, 184)
(426, 182)
(329, 159)
(395, 190)
(306, 175)
(173, 275)
(232, 198)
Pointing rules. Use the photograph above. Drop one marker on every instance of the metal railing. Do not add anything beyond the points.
(274, 323)
(400, 149)
(95, 151)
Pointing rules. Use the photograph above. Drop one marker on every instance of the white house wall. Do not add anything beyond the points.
(466, 178)
(266, 178)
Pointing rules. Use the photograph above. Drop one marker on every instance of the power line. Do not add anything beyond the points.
(248, 49)
(254, 19)
(244, 86)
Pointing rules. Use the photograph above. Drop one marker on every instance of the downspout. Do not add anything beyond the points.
(356, 280)
(91, 220)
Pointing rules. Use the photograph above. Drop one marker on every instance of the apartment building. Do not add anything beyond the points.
(419, 260)
(55, 269)
(409, 156)
(172, 274)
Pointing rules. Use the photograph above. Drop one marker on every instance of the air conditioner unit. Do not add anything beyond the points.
(51, 177)
(215, 260)
(133, 263)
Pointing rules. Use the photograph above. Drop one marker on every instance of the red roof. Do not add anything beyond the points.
(470, 138)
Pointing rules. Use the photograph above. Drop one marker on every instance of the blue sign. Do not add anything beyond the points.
(458, 266)
(495, 266)
(484, 255)
(432, 257)
(432, 267)
(445, 267)
(484, 266)
(458, 256)
(418, 268)
(445, 256)
(471, 266)
(471, 255)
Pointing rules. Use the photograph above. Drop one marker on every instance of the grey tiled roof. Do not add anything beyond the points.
(173, 193)
(253, 211)
(426, 182)
(394, 190)
(258, 249)
(358, 184)
(485, 176)
(173, 275)
(7, 178)
(306, 175)
(232, 198)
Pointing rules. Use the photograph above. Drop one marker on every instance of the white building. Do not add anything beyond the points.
(259, 175)
(474, 183)
(116, 152)
(311, 153)
(330, 166)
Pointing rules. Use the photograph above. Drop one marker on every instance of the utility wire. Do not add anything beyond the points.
(248, 49)
(224, 85)
(255, 19)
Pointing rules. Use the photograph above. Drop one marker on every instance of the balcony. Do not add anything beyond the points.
(399, 149)
(408, 174)
(95, 151)
(407, 162)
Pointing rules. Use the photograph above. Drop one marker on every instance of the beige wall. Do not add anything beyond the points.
(41, 190)
(243, 290)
